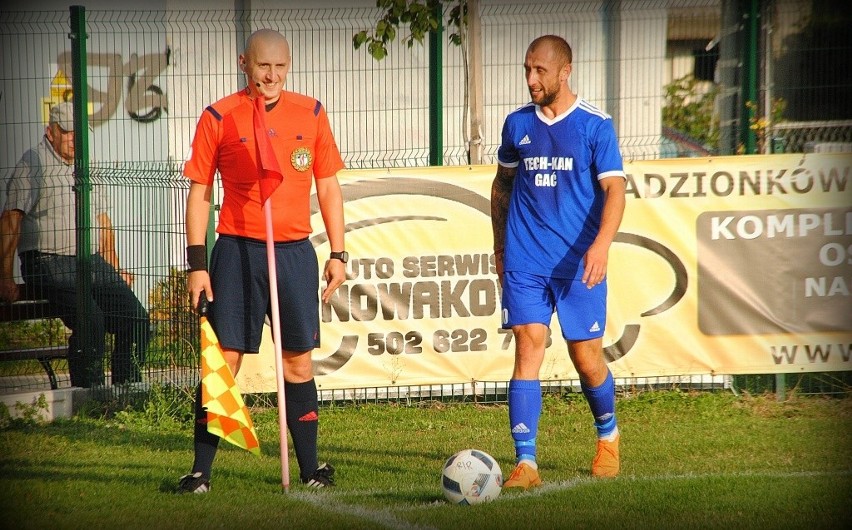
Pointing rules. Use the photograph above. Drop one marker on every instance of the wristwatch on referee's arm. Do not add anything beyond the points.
(342, 256)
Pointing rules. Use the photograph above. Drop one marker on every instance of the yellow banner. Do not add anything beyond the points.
(729, 265)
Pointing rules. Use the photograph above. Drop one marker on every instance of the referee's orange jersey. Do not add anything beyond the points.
(301, 137)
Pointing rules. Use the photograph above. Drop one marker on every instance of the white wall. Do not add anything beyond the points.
(378, 110)
(641, 92)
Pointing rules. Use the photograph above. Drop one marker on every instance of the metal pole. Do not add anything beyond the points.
(769, 136)
(475, 81)
(275, 320)
(749, 103)
(436, 83)
(780, 387)
(242, 27)
(728, 66)
(612, 35)
(84, 331)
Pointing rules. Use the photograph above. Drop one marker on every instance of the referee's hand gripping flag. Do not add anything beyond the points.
(227, 414)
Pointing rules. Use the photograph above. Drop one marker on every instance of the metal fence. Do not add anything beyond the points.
(152, 72)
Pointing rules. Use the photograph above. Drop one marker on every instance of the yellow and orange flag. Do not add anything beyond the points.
(227, 414)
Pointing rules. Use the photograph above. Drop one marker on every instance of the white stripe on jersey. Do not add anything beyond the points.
(522, 107)
(588, 107)
(614, 173)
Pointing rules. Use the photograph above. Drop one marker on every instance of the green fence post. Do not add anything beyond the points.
(780, 387)
(436, 82)
(84, 332)
(749, 72)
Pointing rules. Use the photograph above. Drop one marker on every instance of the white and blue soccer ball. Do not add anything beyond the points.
(471, 477)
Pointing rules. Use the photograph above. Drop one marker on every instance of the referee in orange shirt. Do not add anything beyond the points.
(237, 284)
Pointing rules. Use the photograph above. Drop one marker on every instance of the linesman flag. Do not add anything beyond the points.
(227, 414)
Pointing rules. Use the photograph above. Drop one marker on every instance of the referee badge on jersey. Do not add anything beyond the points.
(301, 158)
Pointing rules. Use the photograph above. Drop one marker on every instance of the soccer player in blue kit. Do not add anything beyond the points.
(556, 204)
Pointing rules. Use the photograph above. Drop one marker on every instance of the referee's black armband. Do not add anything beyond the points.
(196, 257)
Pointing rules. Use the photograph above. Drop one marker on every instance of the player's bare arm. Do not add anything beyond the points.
(10, 232)
(501, 191)
(107, 249)
(597, 256)
(330, 199)
(197, 212)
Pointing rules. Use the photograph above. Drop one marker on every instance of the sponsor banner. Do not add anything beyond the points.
(729, 265)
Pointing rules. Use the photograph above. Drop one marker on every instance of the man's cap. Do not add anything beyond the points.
(62, 114)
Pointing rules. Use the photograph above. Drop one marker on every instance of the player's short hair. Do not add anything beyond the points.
(559, 45)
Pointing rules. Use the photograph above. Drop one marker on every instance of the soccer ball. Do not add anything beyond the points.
(471, 477)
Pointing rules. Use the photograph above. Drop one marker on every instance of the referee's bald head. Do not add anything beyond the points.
(265, 37)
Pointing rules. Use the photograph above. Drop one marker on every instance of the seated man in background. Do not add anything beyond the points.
(39, 222)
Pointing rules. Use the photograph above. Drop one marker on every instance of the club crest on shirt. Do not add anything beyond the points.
(301, 158)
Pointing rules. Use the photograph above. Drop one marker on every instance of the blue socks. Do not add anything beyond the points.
(602, 403)
(524, 412)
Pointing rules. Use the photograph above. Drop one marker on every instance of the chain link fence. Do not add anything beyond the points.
(152, 72)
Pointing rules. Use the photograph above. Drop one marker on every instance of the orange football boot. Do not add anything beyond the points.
(523, 477)
(606, 462)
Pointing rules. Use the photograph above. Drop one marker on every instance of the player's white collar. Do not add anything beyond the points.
(558, 117)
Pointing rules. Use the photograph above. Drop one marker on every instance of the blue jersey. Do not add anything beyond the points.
(556, 203)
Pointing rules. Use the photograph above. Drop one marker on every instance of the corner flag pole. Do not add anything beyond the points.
(276, 340)
(270, 177)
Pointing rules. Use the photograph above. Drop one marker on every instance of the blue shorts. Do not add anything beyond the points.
(531, 299)
(240, 280)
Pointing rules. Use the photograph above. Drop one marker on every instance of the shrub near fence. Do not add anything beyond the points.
(32, 353)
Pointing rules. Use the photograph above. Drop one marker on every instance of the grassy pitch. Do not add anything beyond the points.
(689, 460)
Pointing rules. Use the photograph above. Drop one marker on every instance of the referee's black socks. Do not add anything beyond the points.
(302, 420)
(205, 443)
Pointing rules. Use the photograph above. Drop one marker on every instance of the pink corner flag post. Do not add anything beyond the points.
(270, 177)
(276, 340)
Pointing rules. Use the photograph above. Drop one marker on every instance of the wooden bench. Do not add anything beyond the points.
(31, 305)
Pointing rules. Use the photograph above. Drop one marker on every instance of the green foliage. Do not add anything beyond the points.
(153, 408)
(29, 334)
(761, 124)
(691, 113)
(176, 337)
(418, 15)
(166, 405)
(32, 334)
(26, 414)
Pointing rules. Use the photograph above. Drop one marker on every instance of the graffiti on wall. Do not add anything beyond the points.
(134, 81)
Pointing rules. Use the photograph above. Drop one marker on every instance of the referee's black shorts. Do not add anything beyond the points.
(240, 280)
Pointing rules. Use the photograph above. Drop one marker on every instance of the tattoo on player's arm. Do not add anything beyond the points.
(501, 190)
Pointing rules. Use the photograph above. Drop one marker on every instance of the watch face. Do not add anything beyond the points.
(342, 256)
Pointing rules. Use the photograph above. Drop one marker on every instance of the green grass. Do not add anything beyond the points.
(702, 460)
